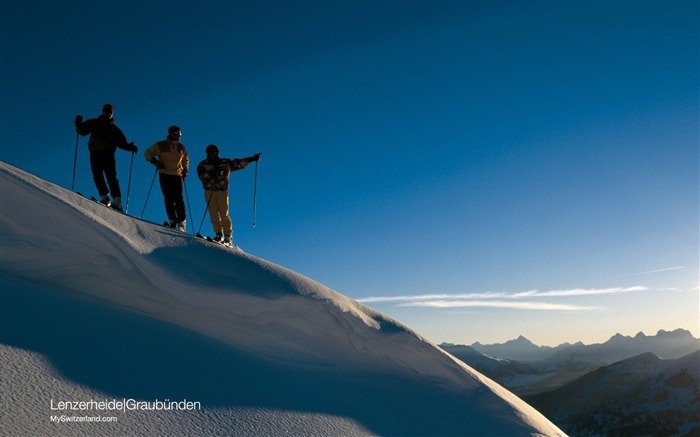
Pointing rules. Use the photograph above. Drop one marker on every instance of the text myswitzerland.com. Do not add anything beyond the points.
(82, 419)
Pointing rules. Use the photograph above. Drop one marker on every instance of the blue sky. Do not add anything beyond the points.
(476, 169)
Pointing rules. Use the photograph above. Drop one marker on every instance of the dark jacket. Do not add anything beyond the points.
(104, 134)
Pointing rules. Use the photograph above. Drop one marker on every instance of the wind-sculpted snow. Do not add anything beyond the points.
(115, 306)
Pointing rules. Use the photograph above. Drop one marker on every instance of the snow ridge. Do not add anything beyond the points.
(277, 333)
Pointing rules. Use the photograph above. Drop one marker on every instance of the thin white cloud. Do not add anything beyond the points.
(501, 295)
(578, 292)
(419, 297)
(649, 272)
(520, 305)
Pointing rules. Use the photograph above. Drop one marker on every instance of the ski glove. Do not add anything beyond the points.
(157, 163)
(78, 119)
(131, 147)
(256, 157)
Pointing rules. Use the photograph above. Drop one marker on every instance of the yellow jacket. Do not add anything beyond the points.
(172, 157)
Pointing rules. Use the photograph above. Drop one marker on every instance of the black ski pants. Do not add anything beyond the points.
(103, 165)
(172, 186)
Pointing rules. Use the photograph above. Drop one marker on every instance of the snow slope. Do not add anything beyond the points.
(99, 306)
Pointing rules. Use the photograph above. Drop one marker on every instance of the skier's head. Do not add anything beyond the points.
(212, 150)
(174, 133)
(108, 109)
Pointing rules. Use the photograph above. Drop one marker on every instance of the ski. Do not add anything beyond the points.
(110, 206)
(219, 243)
(175, 226)
(208, 238)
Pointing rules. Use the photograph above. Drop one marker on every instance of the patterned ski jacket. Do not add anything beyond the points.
(104, 134)
(214, 173)
(172, 156)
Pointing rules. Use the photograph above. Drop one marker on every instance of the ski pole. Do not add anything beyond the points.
(75, 160)
(149, 193)
(211, 193)
(255, 192)
(128, 189)
(184, 184)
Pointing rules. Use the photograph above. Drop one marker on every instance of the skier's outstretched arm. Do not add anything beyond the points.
(240, 164)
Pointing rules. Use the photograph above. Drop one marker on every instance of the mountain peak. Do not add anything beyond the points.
(676, 333)
(618, 338)
(643, 363)
(521, 340)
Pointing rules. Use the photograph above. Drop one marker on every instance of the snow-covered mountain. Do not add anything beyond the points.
(522, 378)
(499, 369)
(519, 349)
(643, 395)
(527, 369)
(665, 344)
(104, 316)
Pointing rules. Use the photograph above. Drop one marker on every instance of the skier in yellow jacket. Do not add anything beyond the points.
(172, 161)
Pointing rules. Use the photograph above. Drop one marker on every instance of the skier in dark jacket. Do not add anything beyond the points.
(105, 137)
(214, 173)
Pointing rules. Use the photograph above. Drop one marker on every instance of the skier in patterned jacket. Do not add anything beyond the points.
(173, 163)
(214, 173)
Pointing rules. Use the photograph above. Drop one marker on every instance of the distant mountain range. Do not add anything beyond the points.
(665, 344)
(527, 369)
(643, 395)
(641, 385)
